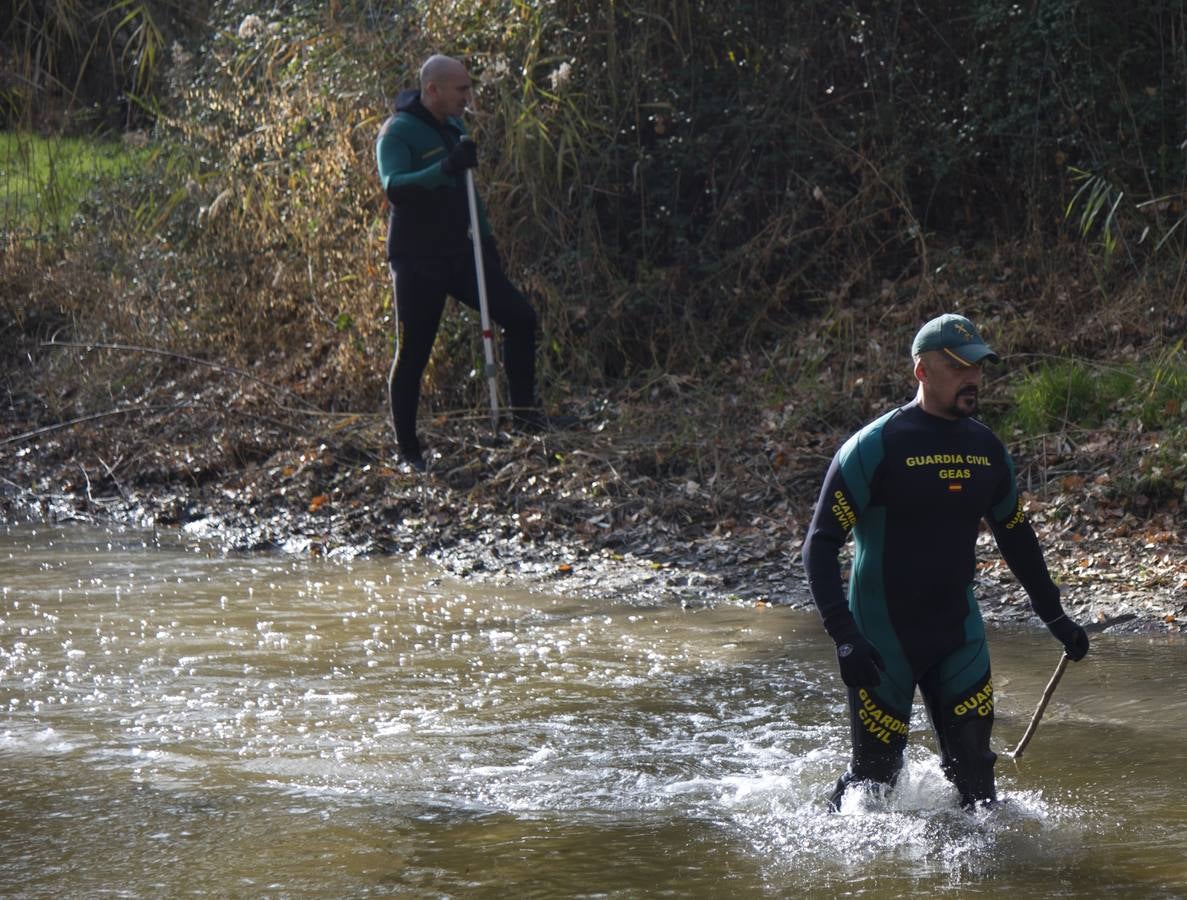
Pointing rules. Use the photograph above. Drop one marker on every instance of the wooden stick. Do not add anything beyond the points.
(1047, 692)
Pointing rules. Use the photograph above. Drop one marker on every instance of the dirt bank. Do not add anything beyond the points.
(598, 510)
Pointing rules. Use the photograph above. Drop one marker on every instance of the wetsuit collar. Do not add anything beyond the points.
(409, 102)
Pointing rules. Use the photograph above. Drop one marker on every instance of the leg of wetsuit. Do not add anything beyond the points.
(419, 300)
(879, 741)
(963, 719)
(512, 312)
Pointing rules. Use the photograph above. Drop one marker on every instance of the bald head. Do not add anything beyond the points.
(444, 86)
(437, 66)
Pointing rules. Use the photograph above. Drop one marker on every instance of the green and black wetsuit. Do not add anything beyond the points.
(913, 489)
(431, 255)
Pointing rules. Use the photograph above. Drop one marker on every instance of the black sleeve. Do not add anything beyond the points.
(1020, 548)
(831, 523)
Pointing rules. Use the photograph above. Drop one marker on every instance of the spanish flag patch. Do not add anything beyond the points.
(955, 487)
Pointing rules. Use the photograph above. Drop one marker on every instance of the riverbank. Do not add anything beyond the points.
(602, 509)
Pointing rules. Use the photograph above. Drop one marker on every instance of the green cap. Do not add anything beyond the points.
(954, 335)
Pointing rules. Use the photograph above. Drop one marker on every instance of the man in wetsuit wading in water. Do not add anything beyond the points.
(912, 487)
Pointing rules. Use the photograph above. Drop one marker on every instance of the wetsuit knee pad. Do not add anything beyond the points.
(879, 742)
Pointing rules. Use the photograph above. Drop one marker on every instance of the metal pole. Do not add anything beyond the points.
(488, 340)
(1047, 692)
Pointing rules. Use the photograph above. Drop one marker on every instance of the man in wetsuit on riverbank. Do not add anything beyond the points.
(912, 487)
(422, 155)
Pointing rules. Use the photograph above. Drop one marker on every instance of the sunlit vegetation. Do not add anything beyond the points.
(755, 200)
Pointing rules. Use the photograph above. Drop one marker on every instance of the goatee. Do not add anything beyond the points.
(966, 404)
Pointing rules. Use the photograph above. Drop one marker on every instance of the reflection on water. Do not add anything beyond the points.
(175, 721)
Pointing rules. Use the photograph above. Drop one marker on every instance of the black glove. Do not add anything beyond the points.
(464, 155)
(861, 666)
(1072, 636)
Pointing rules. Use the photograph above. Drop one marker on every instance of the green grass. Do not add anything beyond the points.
(1078, 394)
(43, 180)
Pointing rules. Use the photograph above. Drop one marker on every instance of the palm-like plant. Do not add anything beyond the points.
(63, 55)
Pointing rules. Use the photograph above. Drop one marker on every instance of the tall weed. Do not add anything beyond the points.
(68, 59)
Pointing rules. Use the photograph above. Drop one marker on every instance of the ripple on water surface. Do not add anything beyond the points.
(376, 725)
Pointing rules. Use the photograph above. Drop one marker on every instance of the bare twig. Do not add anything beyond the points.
(87, 479)
(198, 361)
(127, 410)
(114, 480)
(1047, 692)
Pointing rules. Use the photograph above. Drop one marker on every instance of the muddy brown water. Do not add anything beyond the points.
(176, 721)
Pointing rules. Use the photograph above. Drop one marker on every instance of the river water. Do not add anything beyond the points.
(174, 721)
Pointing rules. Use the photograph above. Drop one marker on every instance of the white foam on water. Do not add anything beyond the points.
(918, 830)
(40, 741)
